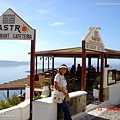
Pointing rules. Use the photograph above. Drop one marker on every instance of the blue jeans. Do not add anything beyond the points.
(66, 109)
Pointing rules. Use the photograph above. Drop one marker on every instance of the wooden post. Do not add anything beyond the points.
(105, 61)
(89, 62)
(52, 70)
(48, 63)
(21, 91)
(43, 65)
(7, 93)
(83, 84)
(98, 65)
(89, 66)
(101, 78)
(36, 65)
(75, 63)
(32, 78)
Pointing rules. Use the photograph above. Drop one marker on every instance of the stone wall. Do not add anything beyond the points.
(105, 94)
(46, 109)
(77, 105)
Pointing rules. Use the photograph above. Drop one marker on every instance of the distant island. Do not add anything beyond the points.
(8, 63)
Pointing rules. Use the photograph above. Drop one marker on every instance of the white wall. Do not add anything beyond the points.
(45, 109)
(114, 93)
(114, 89)
(27, 92)
(19, 112)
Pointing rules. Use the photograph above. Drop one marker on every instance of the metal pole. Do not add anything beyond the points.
(32, 73)
(83, 84)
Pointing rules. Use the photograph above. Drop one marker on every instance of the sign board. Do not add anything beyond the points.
(93, 40)
(13, 27)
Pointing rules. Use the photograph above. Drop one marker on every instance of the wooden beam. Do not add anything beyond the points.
(66, 53)
(12, 88)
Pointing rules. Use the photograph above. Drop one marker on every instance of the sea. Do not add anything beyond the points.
(10, 71)
(13, 72)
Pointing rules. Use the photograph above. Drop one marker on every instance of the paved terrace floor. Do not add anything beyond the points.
(106, 113)
(77, 86)
(93, 110)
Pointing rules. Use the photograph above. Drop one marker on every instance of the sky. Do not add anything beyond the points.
(61, 24)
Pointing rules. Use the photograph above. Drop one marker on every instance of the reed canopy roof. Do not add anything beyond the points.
(14, 85)
(77, 52)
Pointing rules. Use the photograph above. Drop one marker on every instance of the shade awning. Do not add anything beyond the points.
(77, 52)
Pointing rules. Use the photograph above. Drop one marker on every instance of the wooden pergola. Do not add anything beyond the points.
(19, 84)
(76, 52)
